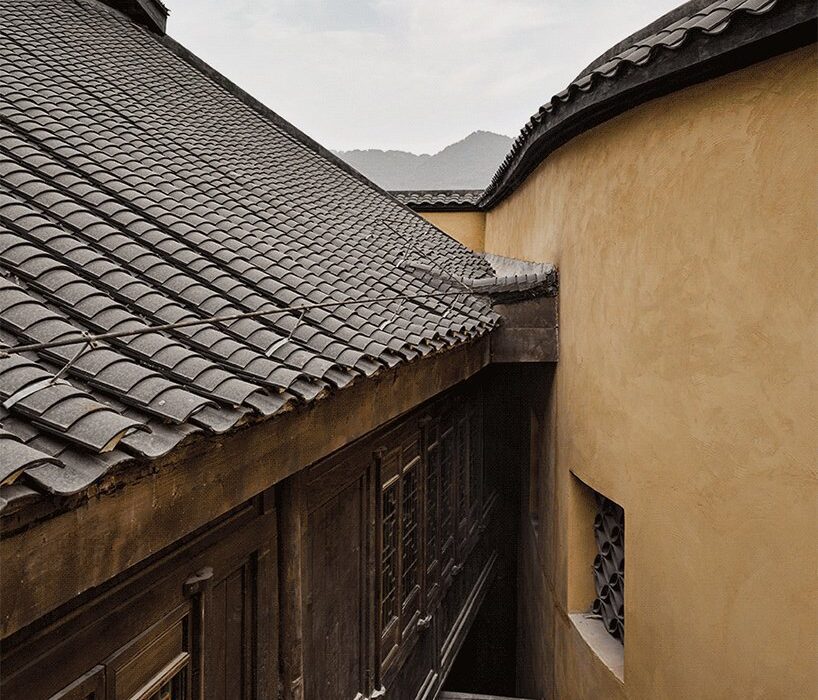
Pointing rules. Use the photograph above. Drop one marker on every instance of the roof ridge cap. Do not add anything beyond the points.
(266, 112)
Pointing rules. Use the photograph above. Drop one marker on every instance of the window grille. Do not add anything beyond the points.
(475, 460)
(609, 566)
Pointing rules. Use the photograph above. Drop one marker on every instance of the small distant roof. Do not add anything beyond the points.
(439, 200)
(699, 40)
(140, 188)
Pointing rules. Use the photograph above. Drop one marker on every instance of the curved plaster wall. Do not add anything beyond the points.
(685, 235)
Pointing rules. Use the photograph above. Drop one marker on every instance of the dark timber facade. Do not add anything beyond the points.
(359, 576)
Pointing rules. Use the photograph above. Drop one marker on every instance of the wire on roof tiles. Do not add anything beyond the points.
(90, 339)
(30, 389)
(286, 339)
(411, 245)
(451, 305)
(87, 344)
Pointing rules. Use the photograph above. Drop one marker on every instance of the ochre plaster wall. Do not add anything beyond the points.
(685, 235)
(467, 227)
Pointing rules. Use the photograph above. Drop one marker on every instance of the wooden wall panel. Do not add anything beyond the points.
(199, 617)
(231, 635)
(334, 603)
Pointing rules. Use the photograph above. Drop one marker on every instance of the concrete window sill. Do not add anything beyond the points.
(610, 651)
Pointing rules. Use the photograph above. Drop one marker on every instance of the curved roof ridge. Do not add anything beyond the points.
(674, 15)
(439, 198)
(697, 41)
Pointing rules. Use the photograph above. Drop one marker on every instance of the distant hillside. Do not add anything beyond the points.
(467, 164)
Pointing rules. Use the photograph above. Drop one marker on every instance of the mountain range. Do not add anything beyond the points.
(467, 164)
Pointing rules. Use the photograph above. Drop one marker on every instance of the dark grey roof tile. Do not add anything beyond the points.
(270, 405)
(443, 200)
(16, 456)
(115, 220)
(16, 495)
(101, 430)
(161, 439)
(59, 406)
(71, 474)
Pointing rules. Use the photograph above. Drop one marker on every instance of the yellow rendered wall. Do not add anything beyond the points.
(685, 235)
(467, 227)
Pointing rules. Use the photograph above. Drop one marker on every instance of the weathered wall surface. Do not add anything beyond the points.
(467, 227)
(685, 234)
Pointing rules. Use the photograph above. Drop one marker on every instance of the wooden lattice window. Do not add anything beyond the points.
(476, 461)
(410, 532)
(389, 555)
(447, 502)
(462, 483)
(432, 498)
(401, 553)
(432, 493)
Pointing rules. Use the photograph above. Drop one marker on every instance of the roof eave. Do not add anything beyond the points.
(444, 208)
(439, 200)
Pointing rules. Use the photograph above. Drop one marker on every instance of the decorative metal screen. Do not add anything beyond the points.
(410, 532)
(389, 555)
(609, 566)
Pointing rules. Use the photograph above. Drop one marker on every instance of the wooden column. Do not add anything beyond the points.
(291, 633)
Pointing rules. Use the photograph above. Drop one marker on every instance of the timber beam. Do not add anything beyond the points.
(529, 333)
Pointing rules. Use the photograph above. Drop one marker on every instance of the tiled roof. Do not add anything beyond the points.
(514, 278)
(136, 190)
(439, 200)
(706, 38)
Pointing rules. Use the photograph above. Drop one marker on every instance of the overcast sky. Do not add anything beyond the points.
(414, 75)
